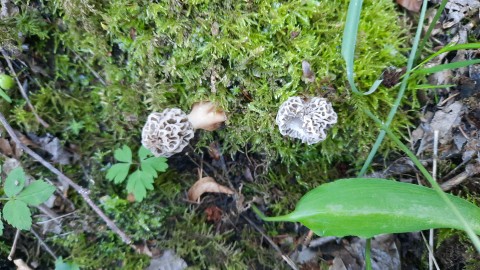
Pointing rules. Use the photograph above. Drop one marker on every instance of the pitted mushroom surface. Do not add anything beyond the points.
(167, 133)
(307, 120)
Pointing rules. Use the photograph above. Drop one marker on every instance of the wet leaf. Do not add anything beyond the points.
(206, 184)
(367, 207)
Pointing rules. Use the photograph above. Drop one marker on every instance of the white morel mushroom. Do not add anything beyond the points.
(168, 132)
(306, 120)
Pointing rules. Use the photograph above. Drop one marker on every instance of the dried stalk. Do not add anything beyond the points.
(80, 190)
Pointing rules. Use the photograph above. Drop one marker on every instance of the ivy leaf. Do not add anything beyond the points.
(17, 214)
(118, 172)
(138, 183)
(36, 193)
(123, 154)
(15, 182)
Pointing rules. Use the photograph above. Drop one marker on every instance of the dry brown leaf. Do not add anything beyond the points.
(206, 184)
(5, 147)
(213, 213)
(412, 5)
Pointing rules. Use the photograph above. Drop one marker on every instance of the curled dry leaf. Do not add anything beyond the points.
(206, 184)
(412, 5)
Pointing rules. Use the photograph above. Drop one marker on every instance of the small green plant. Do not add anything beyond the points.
(61, 265)
(6, 82)
(142, 178)
(19, 197)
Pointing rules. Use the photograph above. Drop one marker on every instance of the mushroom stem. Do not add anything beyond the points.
(205, 115)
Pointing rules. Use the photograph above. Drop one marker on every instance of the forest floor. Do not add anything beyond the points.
(87, 75)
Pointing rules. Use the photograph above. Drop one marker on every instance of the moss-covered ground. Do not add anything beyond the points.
(94, 70)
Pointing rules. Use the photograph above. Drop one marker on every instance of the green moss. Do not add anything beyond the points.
(100, 67)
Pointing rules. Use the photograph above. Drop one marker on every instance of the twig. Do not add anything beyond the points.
(430, 251)
(43, 244)
(14, 245)
(284, 257)
(80, 190)
(455, 181)
(22, 89)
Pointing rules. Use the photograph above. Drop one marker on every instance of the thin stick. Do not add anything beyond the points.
(43, 244)
(270, 241)
(80, 190)
(22, 90)
(431, 258)
(14, 245)
(430, 251)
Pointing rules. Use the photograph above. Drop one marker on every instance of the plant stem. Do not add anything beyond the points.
(80, 190)
(400, 94)
(368, 254)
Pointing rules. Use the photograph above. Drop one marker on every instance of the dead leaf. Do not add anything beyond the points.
(214, 214)
(168, 261)
(206, 184)
(412, 5)
(21, 265)
(53, 146)
(308, 74)
(5, 147)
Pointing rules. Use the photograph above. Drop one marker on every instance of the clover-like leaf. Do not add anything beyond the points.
(17, 214)
(153, 165)
(118, 172)
(138, 183)
(36, 193)
(123, 154)
(15, 182)
(144, 153)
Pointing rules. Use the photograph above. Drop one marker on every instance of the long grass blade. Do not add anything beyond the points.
(431, 26)
(401, 91)
(453, 65)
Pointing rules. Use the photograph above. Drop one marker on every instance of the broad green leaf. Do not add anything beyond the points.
(17, 214)
(366, 207)
(153, 165)
(138, 183)
(15, 182)
(118, 172)
(36, 193)
(123, 154)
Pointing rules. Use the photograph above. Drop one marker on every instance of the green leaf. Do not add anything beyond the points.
(144, 153)
(15, 182)
(118, 172)
(138, 183)
(61, 265)
(123, 154)
(153, 165)
(446, 66)
(36, 193)
(366, 207)
(5, 96)
(1, 226)
(17, 214)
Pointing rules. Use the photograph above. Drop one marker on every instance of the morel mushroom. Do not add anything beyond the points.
(307, 120)
(168, 132)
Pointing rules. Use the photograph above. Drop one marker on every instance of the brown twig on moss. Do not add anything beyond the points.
(80, 190)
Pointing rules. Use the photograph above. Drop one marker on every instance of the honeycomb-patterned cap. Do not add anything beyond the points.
(306, 120)
(167, 133)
